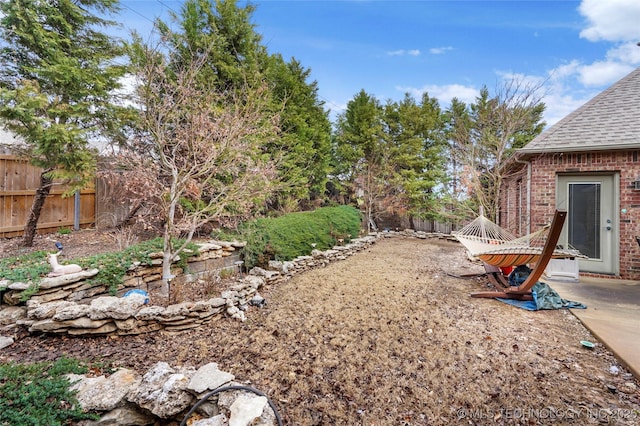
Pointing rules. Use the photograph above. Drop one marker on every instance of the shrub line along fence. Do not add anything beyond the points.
(91, 206)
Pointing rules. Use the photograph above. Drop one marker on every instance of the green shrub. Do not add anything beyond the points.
(64, 231)
(38, 394)
(296, 234)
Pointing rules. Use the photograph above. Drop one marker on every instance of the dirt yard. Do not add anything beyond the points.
(391, 337)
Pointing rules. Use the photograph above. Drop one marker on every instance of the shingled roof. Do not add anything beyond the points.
(609, 121)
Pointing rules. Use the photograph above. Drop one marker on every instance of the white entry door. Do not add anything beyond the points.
(591, 226)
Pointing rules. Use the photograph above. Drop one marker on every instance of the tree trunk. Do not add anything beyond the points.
(36, 208)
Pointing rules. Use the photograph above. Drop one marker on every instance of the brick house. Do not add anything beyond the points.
(588, 164)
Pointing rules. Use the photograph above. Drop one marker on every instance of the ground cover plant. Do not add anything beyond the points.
(390, 337)
(38, 393)
(112, 265)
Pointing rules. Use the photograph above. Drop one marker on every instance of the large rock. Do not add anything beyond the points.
(107, 328)
(88, 325)
(245, 409)
(52, 282)
(39, 311)
(162, 391)
(71, 312)
(116, 307)
(208, 377)
(105, 393)
(178, 310)
(150, 313)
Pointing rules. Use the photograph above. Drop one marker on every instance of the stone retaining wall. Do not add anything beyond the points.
(212, 258)
(112, 315)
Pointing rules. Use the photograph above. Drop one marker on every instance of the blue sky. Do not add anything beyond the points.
(448, 49)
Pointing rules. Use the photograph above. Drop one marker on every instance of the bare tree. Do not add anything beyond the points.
(497, 127)
(201, 148)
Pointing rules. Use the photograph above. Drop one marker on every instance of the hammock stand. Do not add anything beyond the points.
(497, 247)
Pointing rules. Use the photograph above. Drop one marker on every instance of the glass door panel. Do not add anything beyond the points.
(584, 218)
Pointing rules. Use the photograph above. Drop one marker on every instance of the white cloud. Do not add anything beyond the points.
(627, 53)
(564, 71)
(603, 73)
(445, 93)
(402, 52)
(611, 20)
(440, 50)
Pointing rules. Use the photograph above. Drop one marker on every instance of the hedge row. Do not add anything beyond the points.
(297, 234)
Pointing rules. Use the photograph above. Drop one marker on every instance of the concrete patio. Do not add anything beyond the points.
(612, 314)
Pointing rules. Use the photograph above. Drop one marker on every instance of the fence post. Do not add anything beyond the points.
(76, 211)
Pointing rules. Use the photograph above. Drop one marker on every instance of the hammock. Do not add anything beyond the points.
(493, 245)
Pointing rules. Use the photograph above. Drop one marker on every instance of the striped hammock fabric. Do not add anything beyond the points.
(488, 242)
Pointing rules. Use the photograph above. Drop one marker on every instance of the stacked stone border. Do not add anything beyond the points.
(164, 394)
(67, 305)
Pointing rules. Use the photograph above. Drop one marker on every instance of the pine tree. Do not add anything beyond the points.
(58, 72)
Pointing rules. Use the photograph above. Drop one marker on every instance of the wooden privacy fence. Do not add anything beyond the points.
(427, 225)
(18, 183)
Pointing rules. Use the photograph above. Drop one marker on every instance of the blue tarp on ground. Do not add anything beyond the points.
(544, 297)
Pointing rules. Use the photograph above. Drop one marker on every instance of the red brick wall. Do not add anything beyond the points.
(544, 170)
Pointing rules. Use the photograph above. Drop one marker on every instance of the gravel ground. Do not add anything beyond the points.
(390, 336)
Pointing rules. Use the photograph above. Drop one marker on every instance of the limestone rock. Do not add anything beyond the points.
(150, 313)
(217, 302)
(178, 310)
(245, 409)
(219, 420)
(71, 312)
(59, 295)
(204, 247)
(106, 393)
(38, 310)
(5, 341)
(107, 328)
(11, 314)
(52, 282)
(127, 415)
(116, 307)
(208, 377)
(18, 286)
(162, 391)
(254, 281)
(127, 325)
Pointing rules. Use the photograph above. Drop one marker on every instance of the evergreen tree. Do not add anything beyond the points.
(415, 139)
(222, 32)
(305, 142)
(57, 76)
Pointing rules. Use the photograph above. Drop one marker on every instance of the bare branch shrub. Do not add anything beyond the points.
(197, 157)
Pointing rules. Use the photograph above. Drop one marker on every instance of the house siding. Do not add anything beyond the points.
(544, 171)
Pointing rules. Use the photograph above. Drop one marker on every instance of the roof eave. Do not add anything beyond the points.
(555, 150)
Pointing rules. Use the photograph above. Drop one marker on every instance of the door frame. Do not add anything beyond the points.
(614, 197)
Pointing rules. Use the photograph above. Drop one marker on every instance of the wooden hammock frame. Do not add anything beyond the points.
(523, 291)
